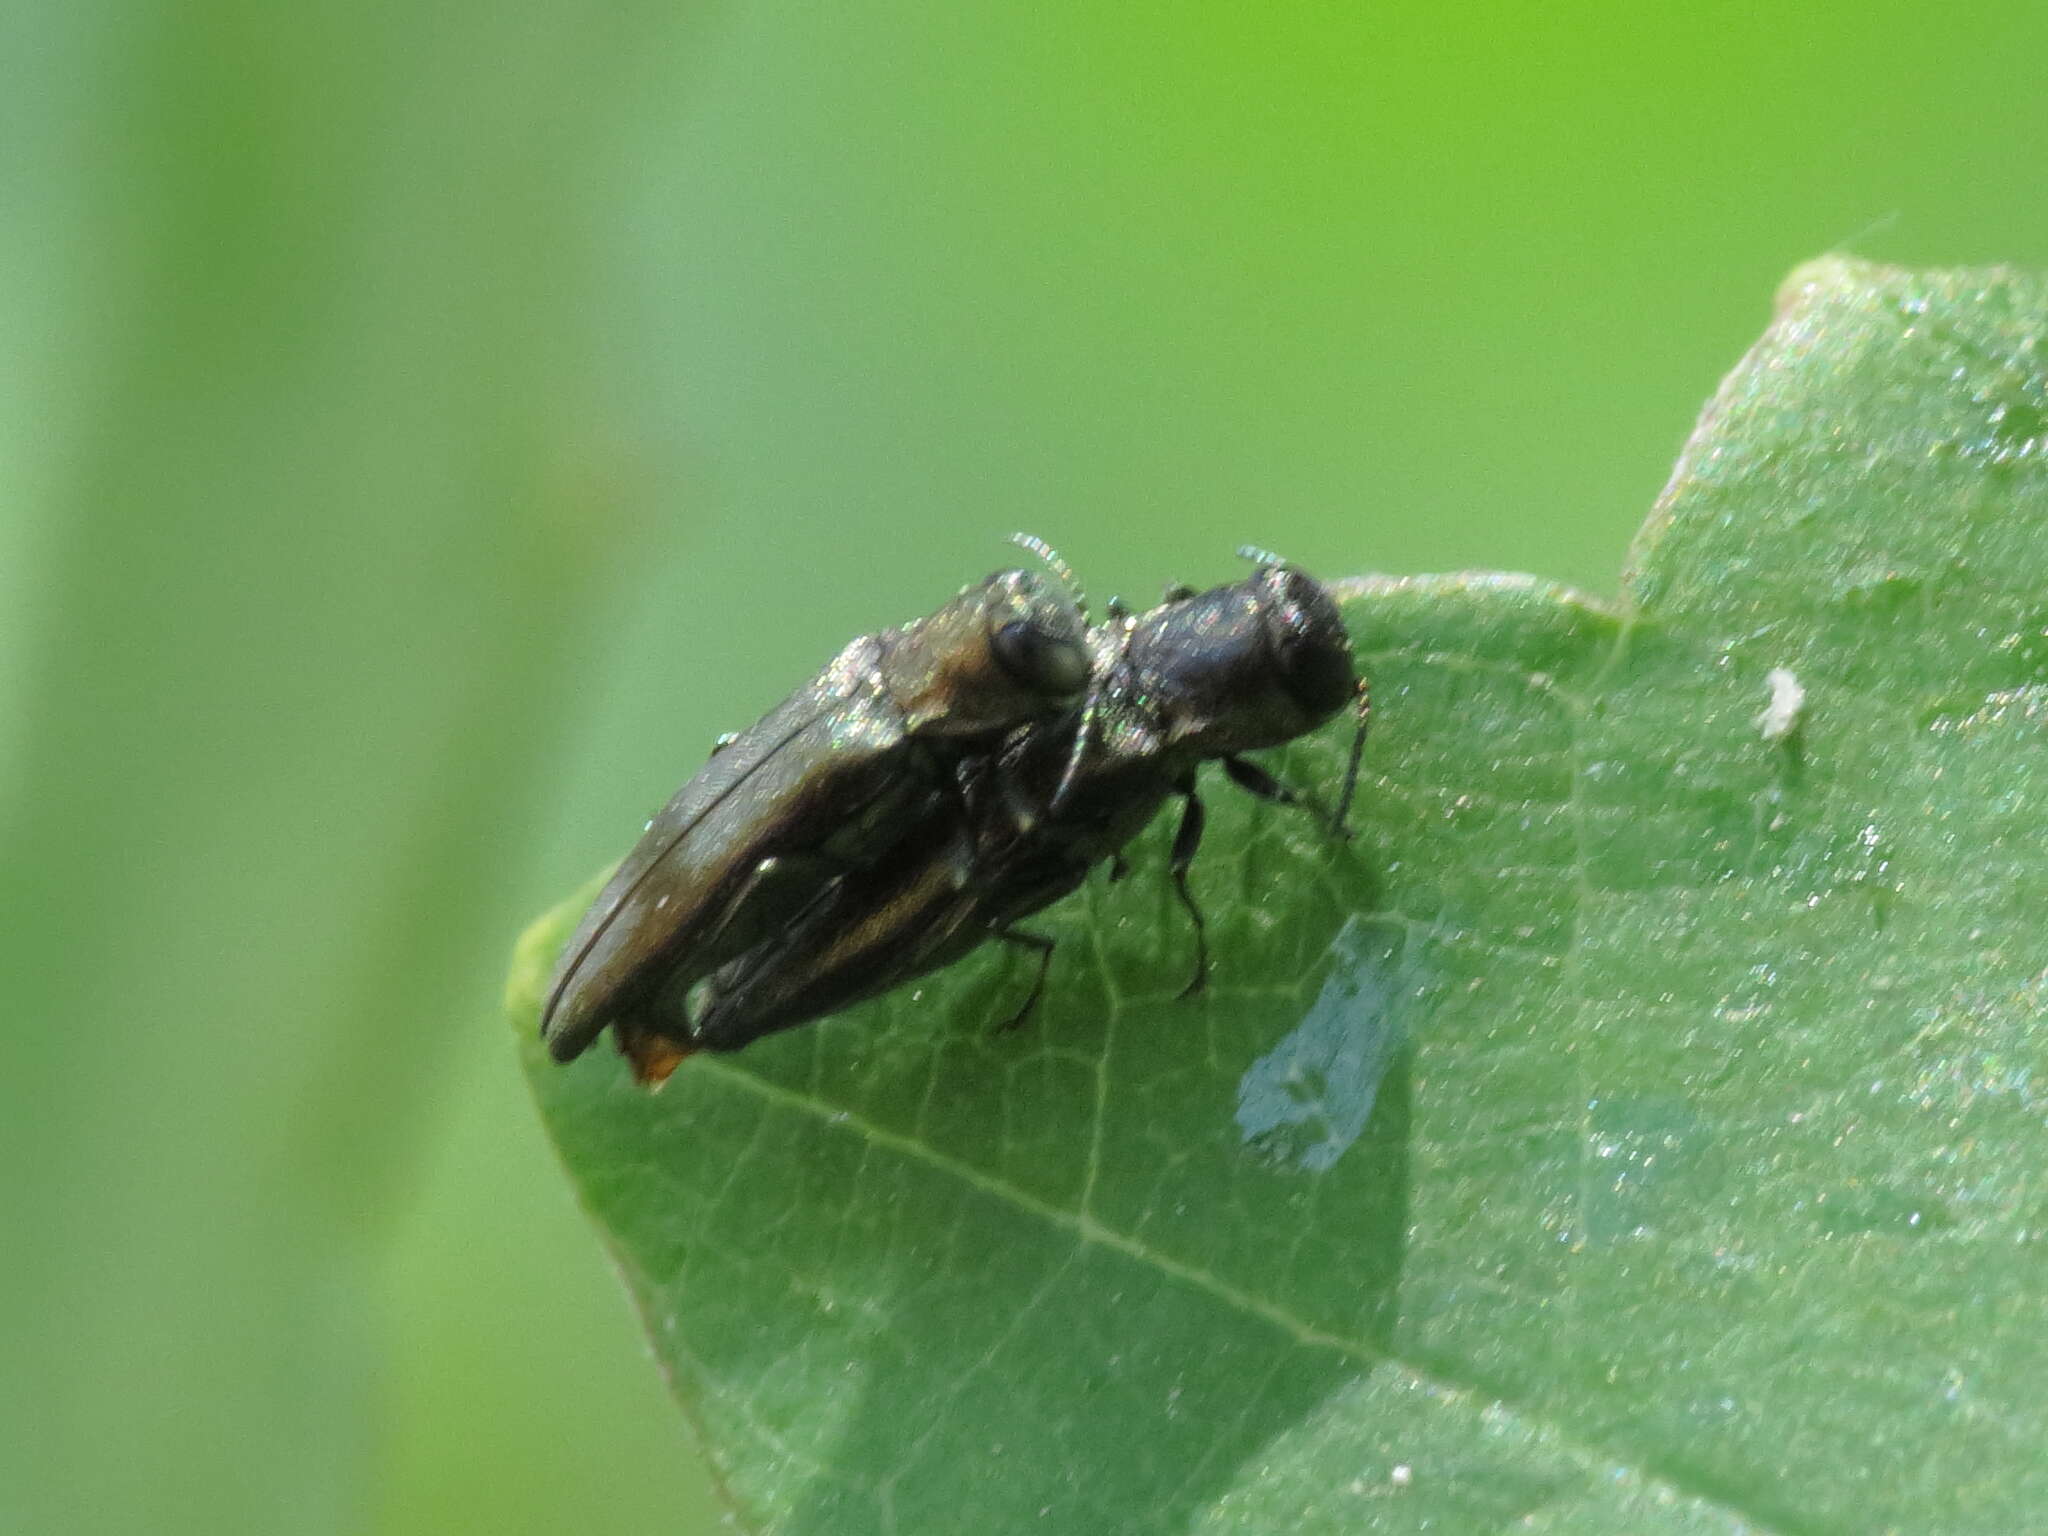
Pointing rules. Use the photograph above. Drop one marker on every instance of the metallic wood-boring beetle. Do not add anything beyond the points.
(1204, 676)
(829, 780)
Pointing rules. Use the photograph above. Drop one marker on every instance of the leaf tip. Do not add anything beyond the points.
(533, 955)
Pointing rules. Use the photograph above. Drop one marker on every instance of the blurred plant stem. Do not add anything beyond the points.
(322, 494)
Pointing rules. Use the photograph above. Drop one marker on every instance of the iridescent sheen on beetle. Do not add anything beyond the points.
(826, 783)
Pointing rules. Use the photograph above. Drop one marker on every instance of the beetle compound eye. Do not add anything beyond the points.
(1310, 643)
(1318, 673)
(1045, 663)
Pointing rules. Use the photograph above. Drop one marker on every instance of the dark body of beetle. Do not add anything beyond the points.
(1204, 676)
(825, 783)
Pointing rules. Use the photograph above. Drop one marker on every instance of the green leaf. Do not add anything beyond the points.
(1636, 1129)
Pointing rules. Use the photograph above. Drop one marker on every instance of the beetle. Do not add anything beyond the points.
(1205, 676)
(824, 783)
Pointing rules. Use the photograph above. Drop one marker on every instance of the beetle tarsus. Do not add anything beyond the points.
(1044, 947)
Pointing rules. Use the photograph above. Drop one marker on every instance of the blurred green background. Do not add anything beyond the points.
(423, 427)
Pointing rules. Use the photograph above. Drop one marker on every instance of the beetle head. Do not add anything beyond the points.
(1006, 651)
(1248, 665)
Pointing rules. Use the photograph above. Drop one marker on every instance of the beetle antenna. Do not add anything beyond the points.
(1060, 568)
(1364, 708)
(1258, 556)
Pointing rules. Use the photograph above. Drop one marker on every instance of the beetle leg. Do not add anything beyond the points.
(1185, 841)
(791, 872)
(1362, 706)
(1045, 947)
(1254, 780)
(972, 793)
